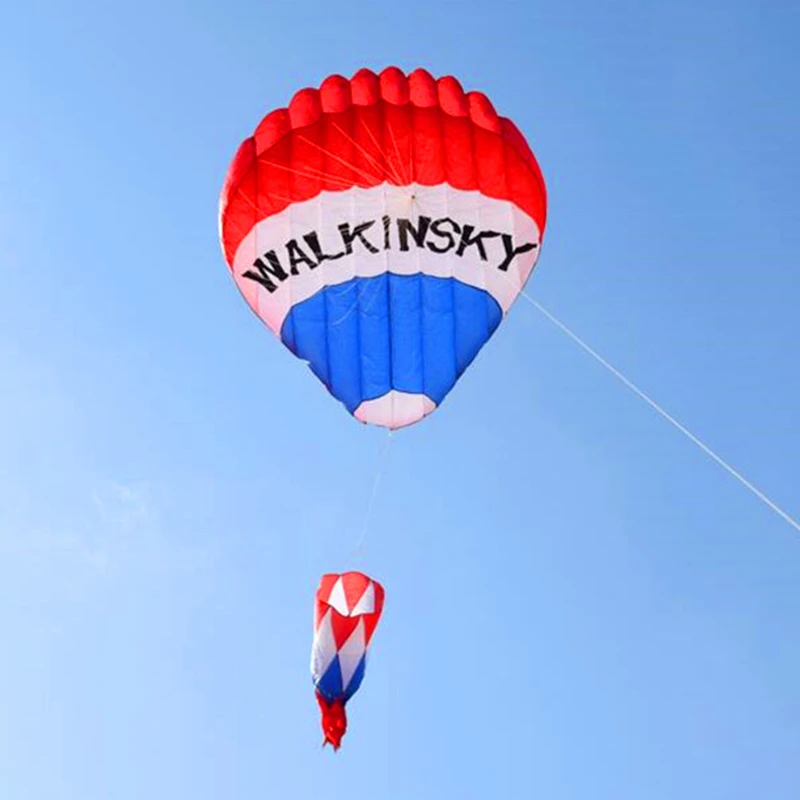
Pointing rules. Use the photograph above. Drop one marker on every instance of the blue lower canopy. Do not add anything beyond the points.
(411, 333)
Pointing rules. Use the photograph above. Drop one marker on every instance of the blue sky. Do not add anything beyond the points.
(579, 603)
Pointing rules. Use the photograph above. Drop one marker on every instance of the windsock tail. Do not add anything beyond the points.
(334, 721)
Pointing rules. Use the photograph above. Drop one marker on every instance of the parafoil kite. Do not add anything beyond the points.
(382, 227)
(346, 613)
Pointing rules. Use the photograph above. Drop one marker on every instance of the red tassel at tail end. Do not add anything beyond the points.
(334, 721)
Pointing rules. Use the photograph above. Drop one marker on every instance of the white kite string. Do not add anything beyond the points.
(668, 417)
(375, 486)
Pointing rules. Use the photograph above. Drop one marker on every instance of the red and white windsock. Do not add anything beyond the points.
(346, 613)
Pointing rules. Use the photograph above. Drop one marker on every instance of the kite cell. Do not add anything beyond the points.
(346, 613)
(382, 227)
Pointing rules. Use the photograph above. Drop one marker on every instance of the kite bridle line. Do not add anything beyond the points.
(662, 412)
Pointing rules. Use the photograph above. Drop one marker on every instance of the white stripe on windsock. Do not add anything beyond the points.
(351, 653)
(338, 600)
(323, 651)
(366, 605)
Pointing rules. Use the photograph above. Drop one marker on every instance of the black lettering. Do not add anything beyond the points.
(312, 240)
(512, 252)
(297, 256)
(404, 227)
(436, 230)
(266, 272)
(467, 240)
(357, 233)
(387, 221)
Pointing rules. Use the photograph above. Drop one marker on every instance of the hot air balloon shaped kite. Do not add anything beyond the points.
(381, 226)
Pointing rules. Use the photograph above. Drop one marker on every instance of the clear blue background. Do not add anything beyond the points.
(579, 603)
